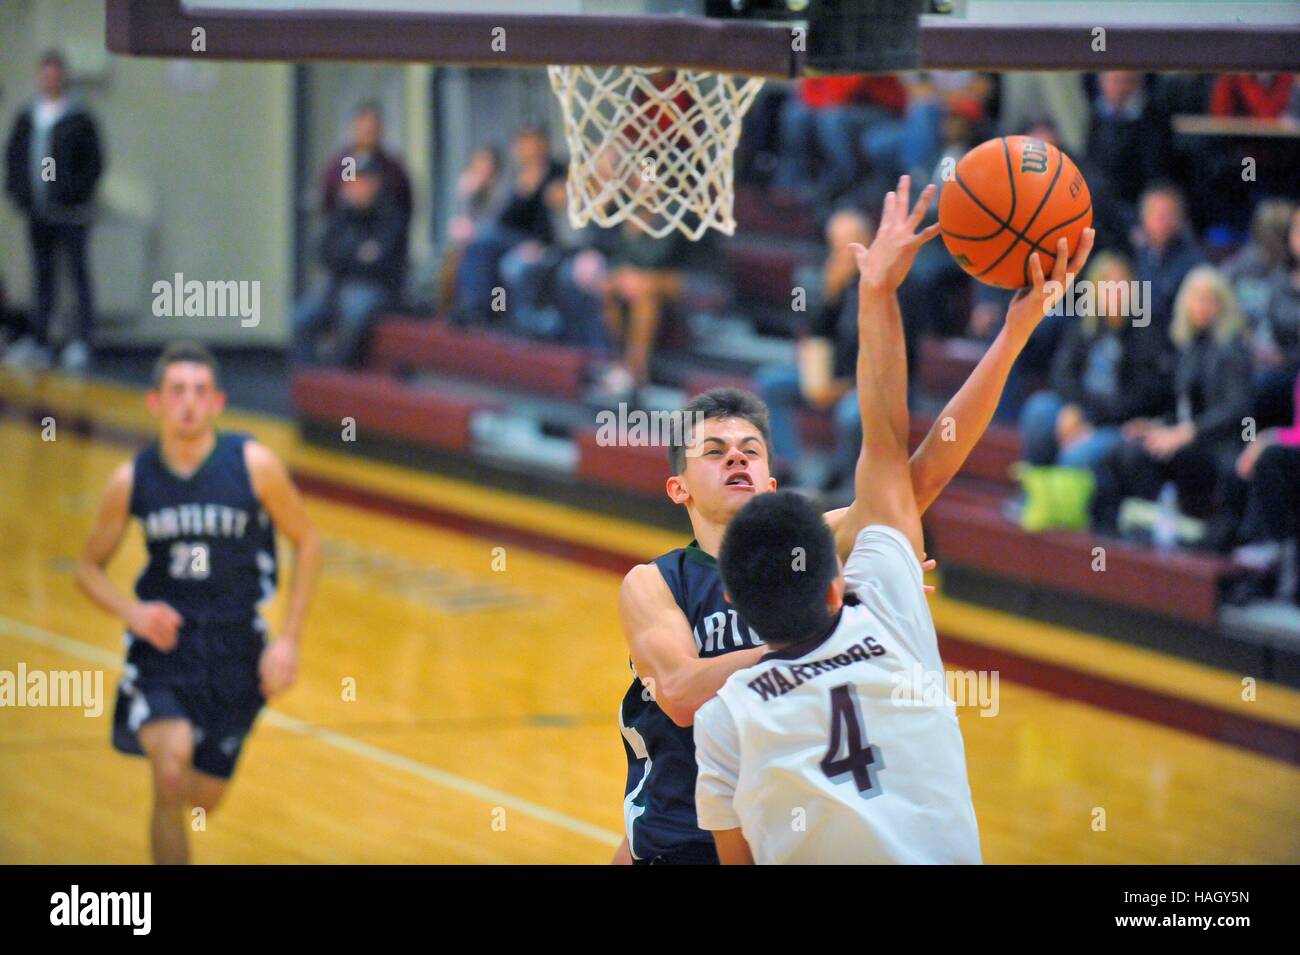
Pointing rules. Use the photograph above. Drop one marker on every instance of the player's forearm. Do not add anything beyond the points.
(896, 371)
(306, 568)
(689, 686)
(881, 371)
(874, 376)
(95, 584)
(963, 420)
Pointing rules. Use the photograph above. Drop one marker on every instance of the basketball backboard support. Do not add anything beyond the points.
(1200, 35)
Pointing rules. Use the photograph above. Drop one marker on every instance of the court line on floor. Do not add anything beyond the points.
(440, 777)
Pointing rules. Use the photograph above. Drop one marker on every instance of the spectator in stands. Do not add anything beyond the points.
(1251, 269)
(1130, 140)
(1106, 373)
(478, 198)
(1271, 529)
(366, 146)
(824, 118)
(1258, 95)
(364, 253)
(1057, 99)
(914, 143)
(826, 352)
(647, 276)
(1165, 249)
(53, 163)
(1277, 336)
(1196, 446)
(534, 190)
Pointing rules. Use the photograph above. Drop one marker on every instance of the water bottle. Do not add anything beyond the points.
(1165, 533)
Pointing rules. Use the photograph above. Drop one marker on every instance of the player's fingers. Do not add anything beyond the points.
(1036, 272)
(928, 233)
(1062, 261)
(1083, 251)
(922, 204)
(887, 213)
(929, 588)
(904, 196)
(929, 565)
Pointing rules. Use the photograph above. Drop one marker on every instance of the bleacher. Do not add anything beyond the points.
(498, 407)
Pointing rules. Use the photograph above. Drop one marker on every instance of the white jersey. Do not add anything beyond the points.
(817, 755)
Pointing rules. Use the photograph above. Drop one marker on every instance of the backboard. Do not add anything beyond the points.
(754, 37)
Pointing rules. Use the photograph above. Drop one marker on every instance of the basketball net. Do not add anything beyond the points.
(652, 146)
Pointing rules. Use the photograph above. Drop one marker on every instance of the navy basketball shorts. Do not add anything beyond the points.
(221, 706)
(693, 853)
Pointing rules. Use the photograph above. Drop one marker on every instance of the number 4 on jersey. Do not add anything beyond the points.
(862, 760)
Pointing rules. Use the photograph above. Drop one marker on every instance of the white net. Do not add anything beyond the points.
(653, 146)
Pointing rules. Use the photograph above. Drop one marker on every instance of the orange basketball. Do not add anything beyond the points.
(1009, 198)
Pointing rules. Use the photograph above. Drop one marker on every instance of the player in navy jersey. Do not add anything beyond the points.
(684, 638)
(199, 666)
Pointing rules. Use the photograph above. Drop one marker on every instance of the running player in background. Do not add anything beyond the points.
(198, 665)
(684, 638)
(819, 753)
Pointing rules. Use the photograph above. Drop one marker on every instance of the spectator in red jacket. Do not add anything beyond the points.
(1259, 95)
(824, 119)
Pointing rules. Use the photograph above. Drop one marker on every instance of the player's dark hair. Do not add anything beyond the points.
(53, 57)
(719, 403)
(185, 351)
(777, 561)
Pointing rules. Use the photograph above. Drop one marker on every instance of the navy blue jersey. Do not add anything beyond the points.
(659, 801)
(211, 557)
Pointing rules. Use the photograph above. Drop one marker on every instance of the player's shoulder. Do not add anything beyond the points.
(883, 546)
(716, 713)
(122, 479)
(262, 463)
(644, 588)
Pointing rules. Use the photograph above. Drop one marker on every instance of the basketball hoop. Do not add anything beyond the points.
(654, 146)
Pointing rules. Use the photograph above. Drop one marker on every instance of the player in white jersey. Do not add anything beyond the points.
(813, 754)
(817, 753)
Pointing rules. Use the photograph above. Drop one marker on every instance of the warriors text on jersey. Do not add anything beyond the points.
(659, 802)
(820, 753)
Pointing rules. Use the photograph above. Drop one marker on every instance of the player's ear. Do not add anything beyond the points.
(153, 400)
(677, 491)
(835, 594)
(219, 401)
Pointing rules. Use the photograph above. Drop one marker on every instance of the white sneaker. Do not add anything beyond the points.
(75, 357)
(26, 354)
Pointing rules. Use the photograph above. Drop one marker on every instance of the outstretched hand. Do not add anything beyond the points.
(1037, 299)
(885, 265)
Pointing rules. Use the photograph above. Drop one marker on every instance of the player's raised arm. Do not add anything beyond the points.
(882, 480)
(937, 460)
(663, 651)
(154, 621)
(282, 501)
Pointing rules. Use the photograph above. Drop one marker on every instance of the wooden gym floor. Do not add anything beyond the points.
(483, 728)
